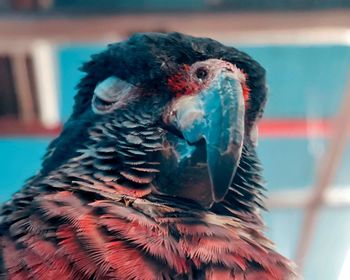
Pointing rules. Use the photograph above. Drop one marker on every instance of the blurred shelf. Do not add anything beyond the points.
(10, 127)
(240, 27)
(271, 128)
(335, 197)
(161, 6)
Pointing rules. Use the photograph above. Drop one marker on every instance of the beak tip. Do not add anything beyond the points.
(221, 169)
(220, 189)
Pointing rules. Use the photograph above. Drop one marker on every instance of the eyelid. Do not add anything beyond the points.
(114, 91)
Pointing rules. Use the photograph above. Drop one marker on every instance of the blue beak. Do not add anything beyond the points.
(216, 115)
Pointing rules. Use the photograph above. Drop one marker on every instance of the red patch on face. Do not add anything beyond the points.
(245, 89)
(181, 82)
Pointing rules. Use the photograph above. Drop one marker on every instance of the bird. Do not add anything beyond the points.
(155, 174)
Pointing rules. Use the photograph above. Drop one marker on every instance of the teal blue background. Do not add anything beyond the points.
(304, 82)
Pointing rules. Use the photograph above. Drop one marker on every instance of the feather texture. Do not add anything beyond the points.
(100, 238)
(93, 211)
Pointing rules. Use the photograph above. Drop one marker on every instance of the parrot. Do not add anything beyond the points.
(155, 174)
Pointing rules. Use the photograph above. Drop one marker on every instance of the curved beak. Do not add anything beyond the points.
(216, 115)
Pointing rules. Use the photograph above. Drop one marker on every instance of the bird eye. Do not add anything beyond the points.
(201, 73)
(111, 94)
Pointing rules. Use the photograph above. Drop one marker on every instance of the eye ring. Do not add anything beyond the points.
(201, 73)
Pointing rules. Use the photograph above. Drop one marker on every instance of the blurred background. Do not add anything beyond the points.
(303, 44)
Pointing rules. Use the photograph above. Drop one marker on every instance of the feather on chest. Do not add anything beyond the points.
(113, 236)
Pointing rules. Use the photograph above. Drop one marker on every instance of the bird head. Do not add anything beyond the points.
(168, 115)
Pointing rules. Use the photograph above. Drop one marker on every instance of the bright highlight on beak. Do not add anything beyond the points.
(215, 114)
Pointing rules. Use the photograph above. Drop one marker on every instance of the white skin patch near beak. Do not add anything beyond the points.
(186, 105)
